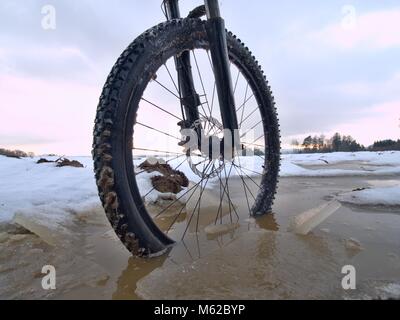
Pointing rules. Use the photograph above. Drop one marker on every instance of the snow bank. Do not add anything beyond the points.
(387, 158)
(42, 196)
(389, 197)
(365, 164)
(27, 187)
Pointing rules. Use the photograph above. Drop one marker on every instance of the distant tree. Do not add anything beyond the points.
(295, 143)
(385, 145)
(307, 143)
(313, 144)
(336, 142)
(321, 142)
(15, 153)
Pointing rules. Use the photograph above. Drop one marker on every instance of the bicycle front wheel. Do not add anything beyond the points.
(155, 192)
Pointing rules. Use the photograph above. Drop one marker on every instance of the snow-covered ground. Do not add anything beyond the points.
(389, 197)
(27, 188)
(30, 188)
(387, 158)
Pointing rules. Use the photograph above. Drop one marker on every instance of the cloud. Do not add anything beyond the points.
(378, 122)
(50, 62)
(47, 115)
(385, 89)
(377, 30)
(22, 139)
(382, 122)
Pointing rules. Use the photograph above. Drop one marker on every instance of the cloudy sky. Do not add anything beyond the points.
(333, 65)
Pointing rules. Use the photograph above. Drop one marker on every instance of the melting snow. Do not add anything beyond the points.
(54, 195)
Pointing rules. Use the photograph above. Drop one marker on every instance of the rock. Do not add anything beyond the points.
(149, 167)
(221, 229)
(69, 163)
(154, 160)
(4, 237)
(353, 245)
(166, 184)
(18, 238)
(102, 280)
(42, 160)
(170, 180)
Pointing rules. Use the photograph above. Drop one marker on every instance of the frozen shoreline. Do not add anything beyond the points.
(30, 189)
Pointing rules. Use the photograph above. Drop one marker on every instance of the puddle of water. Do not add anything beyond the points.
(254, 259)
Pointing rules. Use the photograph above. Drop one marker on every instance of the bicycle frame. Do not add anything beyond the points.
(219, 55)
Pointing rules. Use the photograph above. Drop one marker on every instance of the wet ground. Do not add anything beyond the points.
(246, 259)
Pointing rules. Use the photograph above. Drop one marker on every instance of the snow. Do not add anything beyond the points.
(387, 158)
(362, 164)
(53, 195)
(29, 188)
(389, 196)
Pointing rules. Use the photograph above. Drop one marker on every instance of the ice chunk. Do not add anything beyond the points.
(307, 221)
(389, 197)
(48, 227)
(353, 245)
(221, 229)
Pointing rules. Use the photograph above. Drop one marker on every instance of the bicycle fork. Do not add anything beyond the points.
(216, 33)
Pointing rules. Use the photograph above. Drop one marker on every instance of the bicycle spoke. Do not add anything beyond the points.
(245, 191)
(201, 80)
(248, 116)
(158, 151)
(159, 131)
(251, 177)
(248, 131)
(212, 107)
(223, 193)
(228, 194)
(197, 204)
(204, 91)
(245, 97)
(229, 198)
(177, 200)
(262, 136)
(252, 144)
(241, 175)
(183, 207)
(173, 81)
(248, 99)
(162, 109)
(164, 87)
(236, 82)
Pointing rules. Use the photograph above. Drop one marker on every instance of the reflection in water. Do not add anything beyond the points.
(137, 269)
(195, 247)
(260, 259)
(257, 265)
(267, 222)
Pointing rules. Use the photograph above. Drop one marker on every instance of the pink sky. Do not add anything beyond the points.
(47, 116)
(44, 114)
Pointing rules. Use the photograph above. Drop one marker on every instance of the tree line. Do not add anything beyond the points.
(341, 143)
